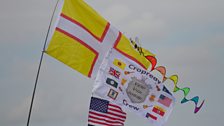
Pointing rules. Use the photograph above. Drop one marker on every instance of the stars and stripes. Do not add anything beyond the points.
(104, 113)
(165, 100)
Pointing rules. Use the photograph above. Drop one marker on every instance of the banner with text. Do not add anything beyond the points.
(127, 84)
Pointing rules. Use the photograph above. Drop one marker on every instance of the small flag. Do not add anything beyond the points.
(112, 94)
(166, 90)
(119, 64)
(164, 100)
(114, 73)
(158, 110)
(112, 82)
(151, 116)
(104, 113)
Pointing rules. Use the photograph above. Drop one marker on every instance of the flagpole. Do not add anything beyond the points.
(41, 59)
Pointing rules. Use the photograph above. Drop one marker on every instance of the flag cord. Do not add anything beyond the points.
(41, 59)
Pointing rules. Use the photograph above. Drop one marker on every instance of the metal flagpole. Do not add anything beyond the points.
(41, 59)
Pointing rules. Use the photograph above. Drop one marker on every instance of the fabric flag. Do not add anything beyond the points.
(136, 90)
(82, 38)
(104, 113)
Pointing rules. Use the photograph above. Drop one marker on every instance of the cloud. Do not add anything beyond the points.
(117, 13)
(146, 25)
(23, 21)
(135, 24)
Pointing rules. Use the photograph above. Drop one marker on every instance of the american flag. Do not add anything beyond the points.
(114, 73)
(165, 100)
(103, 113)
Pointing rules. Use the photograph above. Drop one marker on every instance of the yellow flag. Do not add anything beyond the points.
(81, 38)
(119, 64)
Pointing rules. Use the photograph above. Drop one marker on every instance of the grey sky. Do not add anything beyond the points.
(187, 36)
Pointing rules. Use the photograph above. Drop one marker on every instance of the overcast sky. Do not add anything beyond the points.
(187, 37)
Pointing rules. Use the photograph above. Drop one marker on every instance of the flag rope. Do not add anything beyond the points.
(41, 59)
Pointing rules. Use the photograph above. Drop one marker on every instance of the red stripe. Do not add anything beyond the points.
(96, 122)
(103, 119)
(118, 111)
(121, 111)
(101, 123)
(157, 111)
(128, 56)
(100, 39)
(105, 32)
(124, 117)
(152, 116)
(84, 44)
(103, 115)
(115, 106)
(118, 40)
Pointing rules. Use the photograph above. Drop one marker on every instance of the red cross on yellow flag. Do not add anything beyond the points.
(82, 38)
